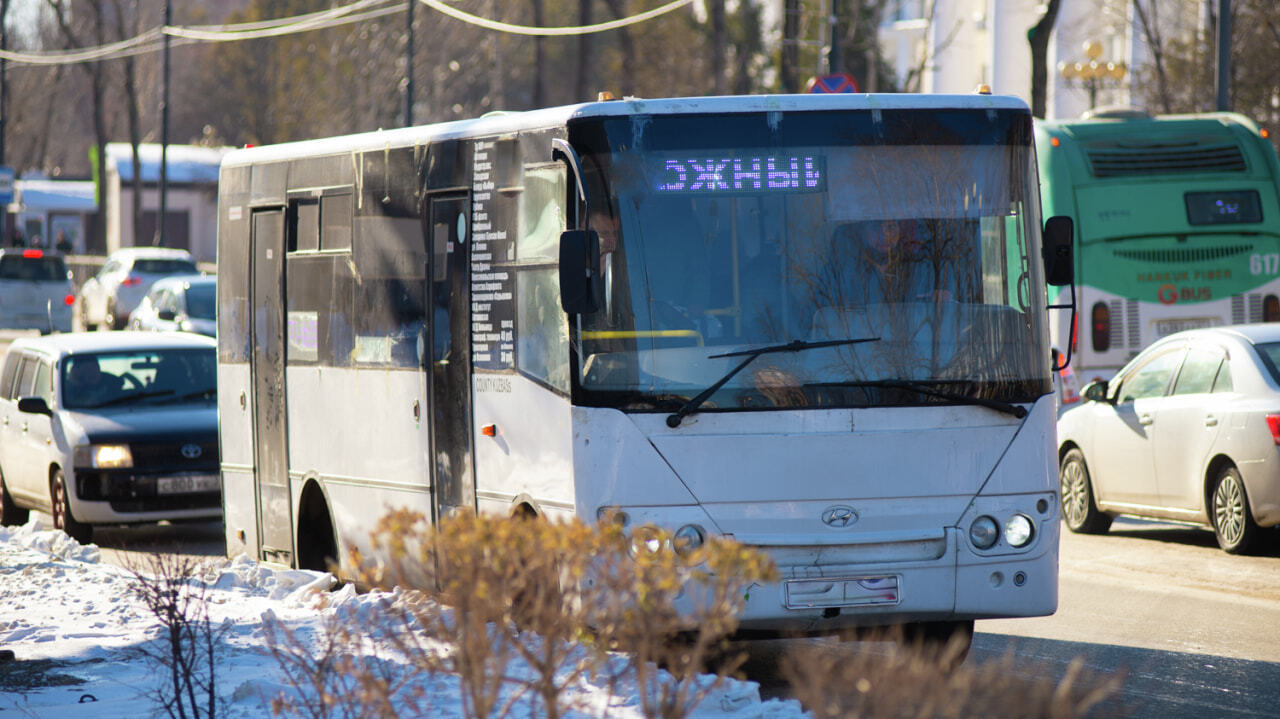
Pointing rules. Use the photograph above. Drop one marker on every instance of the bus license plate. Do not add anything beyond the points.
(188, 484)
(1168, 327)
(842, 592)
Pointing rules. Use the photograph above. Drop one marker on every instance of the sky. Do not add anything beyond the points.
(59, 602)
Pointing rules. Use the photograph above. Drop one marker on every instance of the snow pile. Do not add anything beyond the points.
(70, 615)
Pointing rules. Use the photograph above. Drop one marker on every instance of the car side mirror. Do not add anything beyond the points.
(1095, 391)
(1059, 267)
(166, 315)
(581, 283)
(34, 405)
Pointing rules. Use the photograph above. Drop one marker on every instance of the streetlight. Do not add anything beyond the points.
(1094, 72)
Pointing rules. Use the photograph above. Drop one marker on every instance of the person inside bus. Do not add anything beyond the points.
(87, 385)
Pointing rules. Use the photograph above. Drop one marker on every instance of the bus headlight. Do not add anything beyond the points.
(984, 532)
(103, 456)
(1019, 530)
(688, 540)
(645, 540)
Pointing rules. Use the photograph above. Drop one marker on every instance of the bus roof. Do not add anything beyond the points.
(1102, 127)
(503, 122)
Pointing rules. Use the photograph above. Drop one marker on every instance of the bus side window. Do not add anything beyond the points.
(542, 330)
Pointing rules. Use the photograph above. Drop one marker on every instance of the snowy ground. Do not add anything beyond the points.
(75, 623)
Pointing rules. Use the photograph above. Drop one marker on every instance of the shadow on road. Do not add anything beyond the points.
(1268, 544)
(1164, 684)
(204, 539)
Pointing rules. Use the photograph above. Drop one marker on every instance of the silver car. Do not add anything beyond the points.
(109, 297)
(185, 303)
(1189, 430)
(35, 290)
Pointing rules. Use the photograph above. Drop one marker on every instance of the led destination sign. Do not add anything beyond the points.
(762, 173)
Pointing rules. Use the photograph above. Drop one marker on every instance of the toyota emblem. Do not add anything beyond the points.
(192, 451)
(839, 516)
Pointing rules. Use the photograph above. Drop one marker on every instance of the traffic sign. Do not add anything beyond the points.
(834, 82)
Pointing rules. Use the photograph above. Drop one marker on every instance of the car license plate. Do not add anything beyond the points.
(1168, 327)
(842, 592)
(188, 484)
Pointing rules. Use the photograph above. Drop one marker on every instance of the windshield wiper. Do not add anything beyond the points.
(130, 398)
(921, 388)
(692, 405)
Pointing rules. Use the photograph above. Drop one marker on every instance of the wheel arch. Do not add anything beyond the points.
(316, 537)
(1213, 468)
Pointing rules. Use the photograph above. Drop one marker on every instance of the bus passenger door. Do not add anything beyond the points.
(267, 362)
(449, 381)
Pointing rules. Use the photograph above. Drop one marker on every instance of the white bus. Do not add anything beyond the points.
(815, 324)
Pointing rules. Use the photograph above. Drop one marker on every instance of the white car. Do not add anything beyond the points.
(115, 428)
(108, 298)
(1189, 430)
(35, 290)
(184, 303)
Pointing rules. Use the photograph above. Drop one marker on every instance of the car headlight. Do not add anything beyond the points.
(104, 456)
(984, 532)
(645, 540)
(1019, 530)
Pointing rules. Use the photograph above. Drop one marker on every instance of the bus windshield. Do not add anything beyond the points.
(724, 234)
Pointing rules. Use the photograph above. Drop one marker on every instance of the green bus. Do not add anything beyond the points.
(1177, 221)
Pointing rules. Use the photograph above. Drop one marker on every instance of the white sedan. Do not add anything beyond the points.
(1189, 430)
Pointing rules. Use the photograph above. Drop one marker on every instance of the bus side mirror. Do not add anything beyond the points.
(581, 284)
(1059, 266)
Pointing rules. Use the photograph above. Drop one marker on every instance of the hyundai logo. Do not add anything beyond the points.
(839, 516)
(191, 451)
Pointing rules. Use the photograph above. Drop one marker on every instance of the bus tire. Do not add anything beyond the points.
(1076, 492)
(1229, 511)
(11, 515)
(947, 641)
(60, 508)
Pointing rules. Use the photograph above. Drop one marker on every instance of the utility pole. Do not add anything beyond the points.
(160, 238)
(1224, 55)
(408, 65)
(833, 54)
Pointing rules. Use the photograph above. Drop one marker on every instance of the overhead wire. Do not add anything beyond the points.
(152, 40)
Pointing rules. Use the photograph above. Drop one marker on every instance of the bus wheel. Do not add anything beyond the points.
(1229, 508)
(317, 544)
(60, 506)
(11, 515)
(948, 641)
(1078, 509)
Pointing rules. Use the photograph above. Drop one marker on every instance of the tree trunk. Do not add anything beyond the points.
(582, 75)
(719, 48)
(790, 66)
(539, 56)
(1038, 37)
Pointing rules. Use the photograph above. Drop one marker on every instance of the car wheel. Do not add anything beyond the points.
(85, 324)
(1229, 509)
(112, 321)
(1078, 507)
(61, 508)
(10, 514)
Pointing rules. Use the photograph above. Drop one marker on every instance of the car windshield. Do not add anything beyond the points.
(153, 376)
(202, 301)
(720, 236)
(33, 269)
(164, 267)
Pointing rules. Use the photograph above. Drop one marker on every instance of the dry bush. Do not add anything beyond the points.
(173, 590)
(885, 676)
(514, 607)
